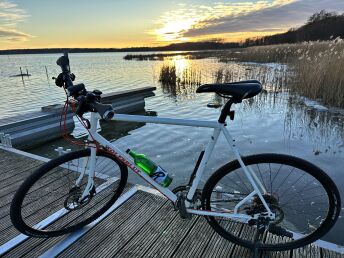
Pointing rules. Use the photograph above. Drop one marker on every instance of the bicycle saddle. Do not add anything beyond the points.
(238, 90)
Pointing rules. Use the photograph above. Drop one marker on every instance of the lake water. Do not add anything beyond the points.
(271, 122)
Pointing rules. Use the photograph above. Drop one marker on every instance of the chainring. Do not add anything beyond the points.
(183, 190)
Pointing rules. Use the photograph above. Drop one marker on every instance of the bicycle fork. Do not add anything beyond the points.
(90, 163)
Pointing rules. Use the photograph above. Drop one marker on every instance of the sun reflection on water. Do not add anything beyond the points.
(180, 62)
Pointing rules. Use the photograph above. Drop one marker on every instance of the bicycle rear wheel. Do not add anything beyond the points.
(305, 200)
(51, 191)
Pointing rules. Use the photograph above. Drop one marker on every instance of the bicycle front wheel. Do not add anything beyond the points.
(51, 192)
(304, 199)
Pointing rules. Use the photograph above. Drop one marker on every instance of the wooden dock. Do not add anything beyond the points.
(140, 224)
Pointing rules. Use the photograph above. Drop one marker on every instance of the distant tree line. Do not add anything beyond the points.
(320, 26)
(187, 46)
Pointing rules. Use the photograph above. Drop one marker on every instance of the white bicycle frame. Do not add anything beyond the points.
(258, 188)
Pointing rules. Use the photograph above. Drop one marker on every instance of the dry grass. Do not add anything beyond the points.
(179, 83)
(313, 69)
(282, 53)
(318, 72)
(273, 78)
(168, 75)
(316, 69)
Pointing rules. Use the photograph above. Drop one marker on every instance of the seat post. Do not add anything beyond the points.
(226, 109)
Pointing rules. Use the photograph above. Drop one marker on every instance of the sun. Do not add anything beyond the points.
(173, 30)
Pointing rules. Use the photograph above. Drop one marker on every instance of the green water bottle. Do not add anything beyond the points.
(153, 170)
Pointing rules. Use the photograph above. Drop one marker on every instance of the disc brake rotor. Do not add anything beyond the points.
(73, 200)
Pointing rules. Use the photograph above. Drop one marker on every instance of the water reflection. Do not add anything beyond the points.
(179, 78)
(323, 127)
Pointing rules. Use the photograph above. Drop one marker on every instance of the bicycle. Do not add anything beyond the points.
(271, 194)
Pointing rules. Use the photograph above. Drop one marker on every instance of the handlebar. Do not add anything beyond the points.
(87, 101)
(77, 89)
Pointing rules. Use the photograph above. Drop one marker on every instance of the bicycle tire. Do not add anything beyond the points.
(26, 211)
(235, 230)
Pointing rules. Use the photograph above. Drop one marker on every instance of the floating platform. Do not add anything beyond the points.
(141, 223)
(35, 128)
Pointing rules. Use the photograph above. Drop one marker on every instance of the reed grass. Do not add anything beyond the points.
(274, 79)
(318, 73)
(170, 76)
(312, 69)
(179, 83)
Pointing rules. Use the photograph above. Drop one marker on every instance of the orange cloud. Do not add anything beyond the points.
(255, 18)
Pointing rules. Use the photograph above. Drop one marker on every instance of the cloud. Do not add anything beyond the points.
(240, 17)
(10, 16)
(13, 35)
(281, 16)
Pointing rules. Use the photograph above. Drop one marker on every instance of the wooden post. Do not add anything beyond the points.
(46, 72)
(22, 75)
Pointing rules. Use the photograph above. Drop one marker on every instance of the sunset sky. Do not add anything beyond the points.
(127, 23)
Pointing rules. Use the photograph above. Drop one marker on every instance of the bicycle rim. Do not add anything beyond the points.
(51, 191)
(305, 200)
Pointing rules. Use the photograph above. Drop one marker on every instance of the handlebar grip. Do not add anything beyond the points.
(81, 109)
(74, 89)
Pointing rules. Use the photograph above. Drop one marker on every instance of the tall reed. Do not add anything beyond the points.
(319, 74)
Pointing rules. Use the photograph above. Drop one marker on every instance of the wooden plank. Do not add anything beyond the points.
(196, 241)
(6, 200)
(116, 239)
(308, 251)
(171, 238)
(219, 246)
(25, 171)
(247, 233)
(140, 243)
(34, 247)
(35, 204)
(12, 183)
(145, 226)
(38, 210)
(330, 254)
(115, 230)
(270, 239)
(13, 164)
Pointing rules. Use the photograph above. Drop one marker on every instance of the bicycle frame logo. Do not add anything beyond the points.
(122, 159)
